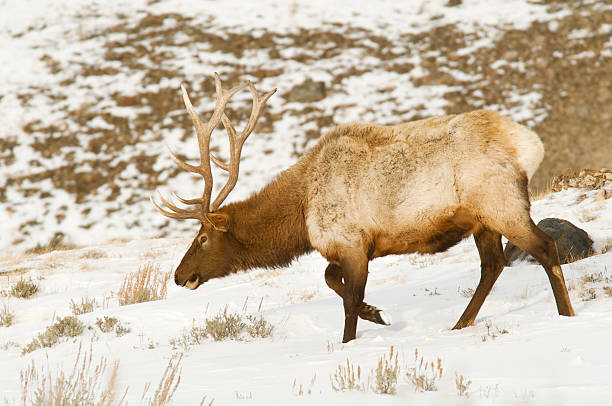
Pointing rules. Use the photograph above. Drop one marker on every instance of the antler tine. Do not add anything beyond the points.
(258, 105)
(237, 141)
(177, 213)
(219, 163)
(185, 201)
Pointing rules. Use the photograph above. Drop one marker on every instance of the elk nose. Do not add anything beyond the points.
(176, 280)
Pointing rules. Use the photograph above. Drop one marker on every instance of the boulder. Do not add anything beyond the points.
(573, 243)
(308, 91)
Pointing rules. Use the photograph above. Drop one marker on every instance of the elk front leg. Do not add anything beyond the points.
(355, 274)
(333, 278)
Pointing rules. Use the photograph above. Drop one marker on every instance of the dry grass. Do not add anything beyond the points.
(145, 285)
(382, 379)
(56, 243)
(167, 385)
(467, 292)
(6, 316)
(425, 375)
(93, 254)
(88, 384)
(386, 374)
(301, 390)
(347, 378)
(493, 331)
(87, 305)
(463, 385)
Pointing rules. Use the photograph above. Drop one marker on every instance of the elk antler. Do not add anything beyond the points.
(203, 133)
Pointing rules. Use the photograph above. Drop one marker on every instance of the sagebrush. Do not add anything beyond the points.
(24, 288)
(225, 326)
(68, 326)
(108, 324)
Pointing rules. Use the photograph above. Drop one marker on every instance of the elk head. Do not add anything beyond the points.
(210, 254)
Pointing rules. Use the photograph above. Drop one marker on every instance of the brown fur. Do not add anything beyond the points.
(366, 191)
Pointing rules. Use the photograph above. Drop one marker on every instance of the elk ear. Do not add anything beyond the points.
(219, 221)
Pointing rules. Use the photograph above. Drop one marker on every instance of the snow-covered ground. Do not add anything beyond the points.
(519, 352)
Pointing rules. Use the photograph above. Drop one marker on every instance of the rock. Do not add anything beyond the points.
(308, 91)
(573, 243)
(589, 179)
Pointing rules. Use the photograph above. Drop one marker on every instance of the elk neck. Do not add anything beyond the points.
(270, 225)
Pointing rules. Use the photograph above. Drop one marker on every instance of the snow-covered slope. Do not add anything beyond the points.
(519, 352)
(89, 91)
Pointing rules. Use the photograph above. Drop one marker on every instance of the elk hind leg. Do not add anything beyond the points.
(333, 278)
(543, 248)
(491, 264)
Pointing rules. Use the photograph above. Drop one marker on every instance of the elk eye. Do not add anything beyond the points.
(203, 240)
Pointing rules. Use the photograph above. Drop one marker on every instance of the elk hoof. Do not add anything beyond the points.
(381, 317)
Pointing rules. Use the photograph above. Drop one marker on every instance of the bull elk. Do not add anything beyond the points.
(366, 191)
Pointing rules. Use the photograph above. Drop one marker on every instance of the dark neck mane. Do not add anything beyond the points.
(270, 225)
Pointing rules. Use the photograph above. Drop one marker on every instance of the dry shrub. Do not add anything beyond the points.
(233, 326)
(112, 324)
(24, 288)
(167, 386)
(145, 285)
(225, 326)
(425, 375)
(68, 326)
(86, 385)
(194, 336)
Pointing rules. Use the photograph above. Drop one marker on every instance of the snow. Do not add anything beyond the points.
(519, 352)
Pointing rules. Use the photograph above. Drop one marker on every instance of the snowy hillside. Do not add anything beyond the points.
(519, 352)
(89, 92)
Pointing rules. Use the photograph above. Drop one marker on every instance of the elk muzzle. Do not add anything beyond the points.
(193, 284)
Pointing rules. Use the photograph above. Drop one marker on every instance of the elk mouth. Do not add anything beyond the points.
(192, 283)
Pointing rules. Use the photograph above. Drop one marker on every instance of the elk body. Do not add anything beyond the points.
(366, 191)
